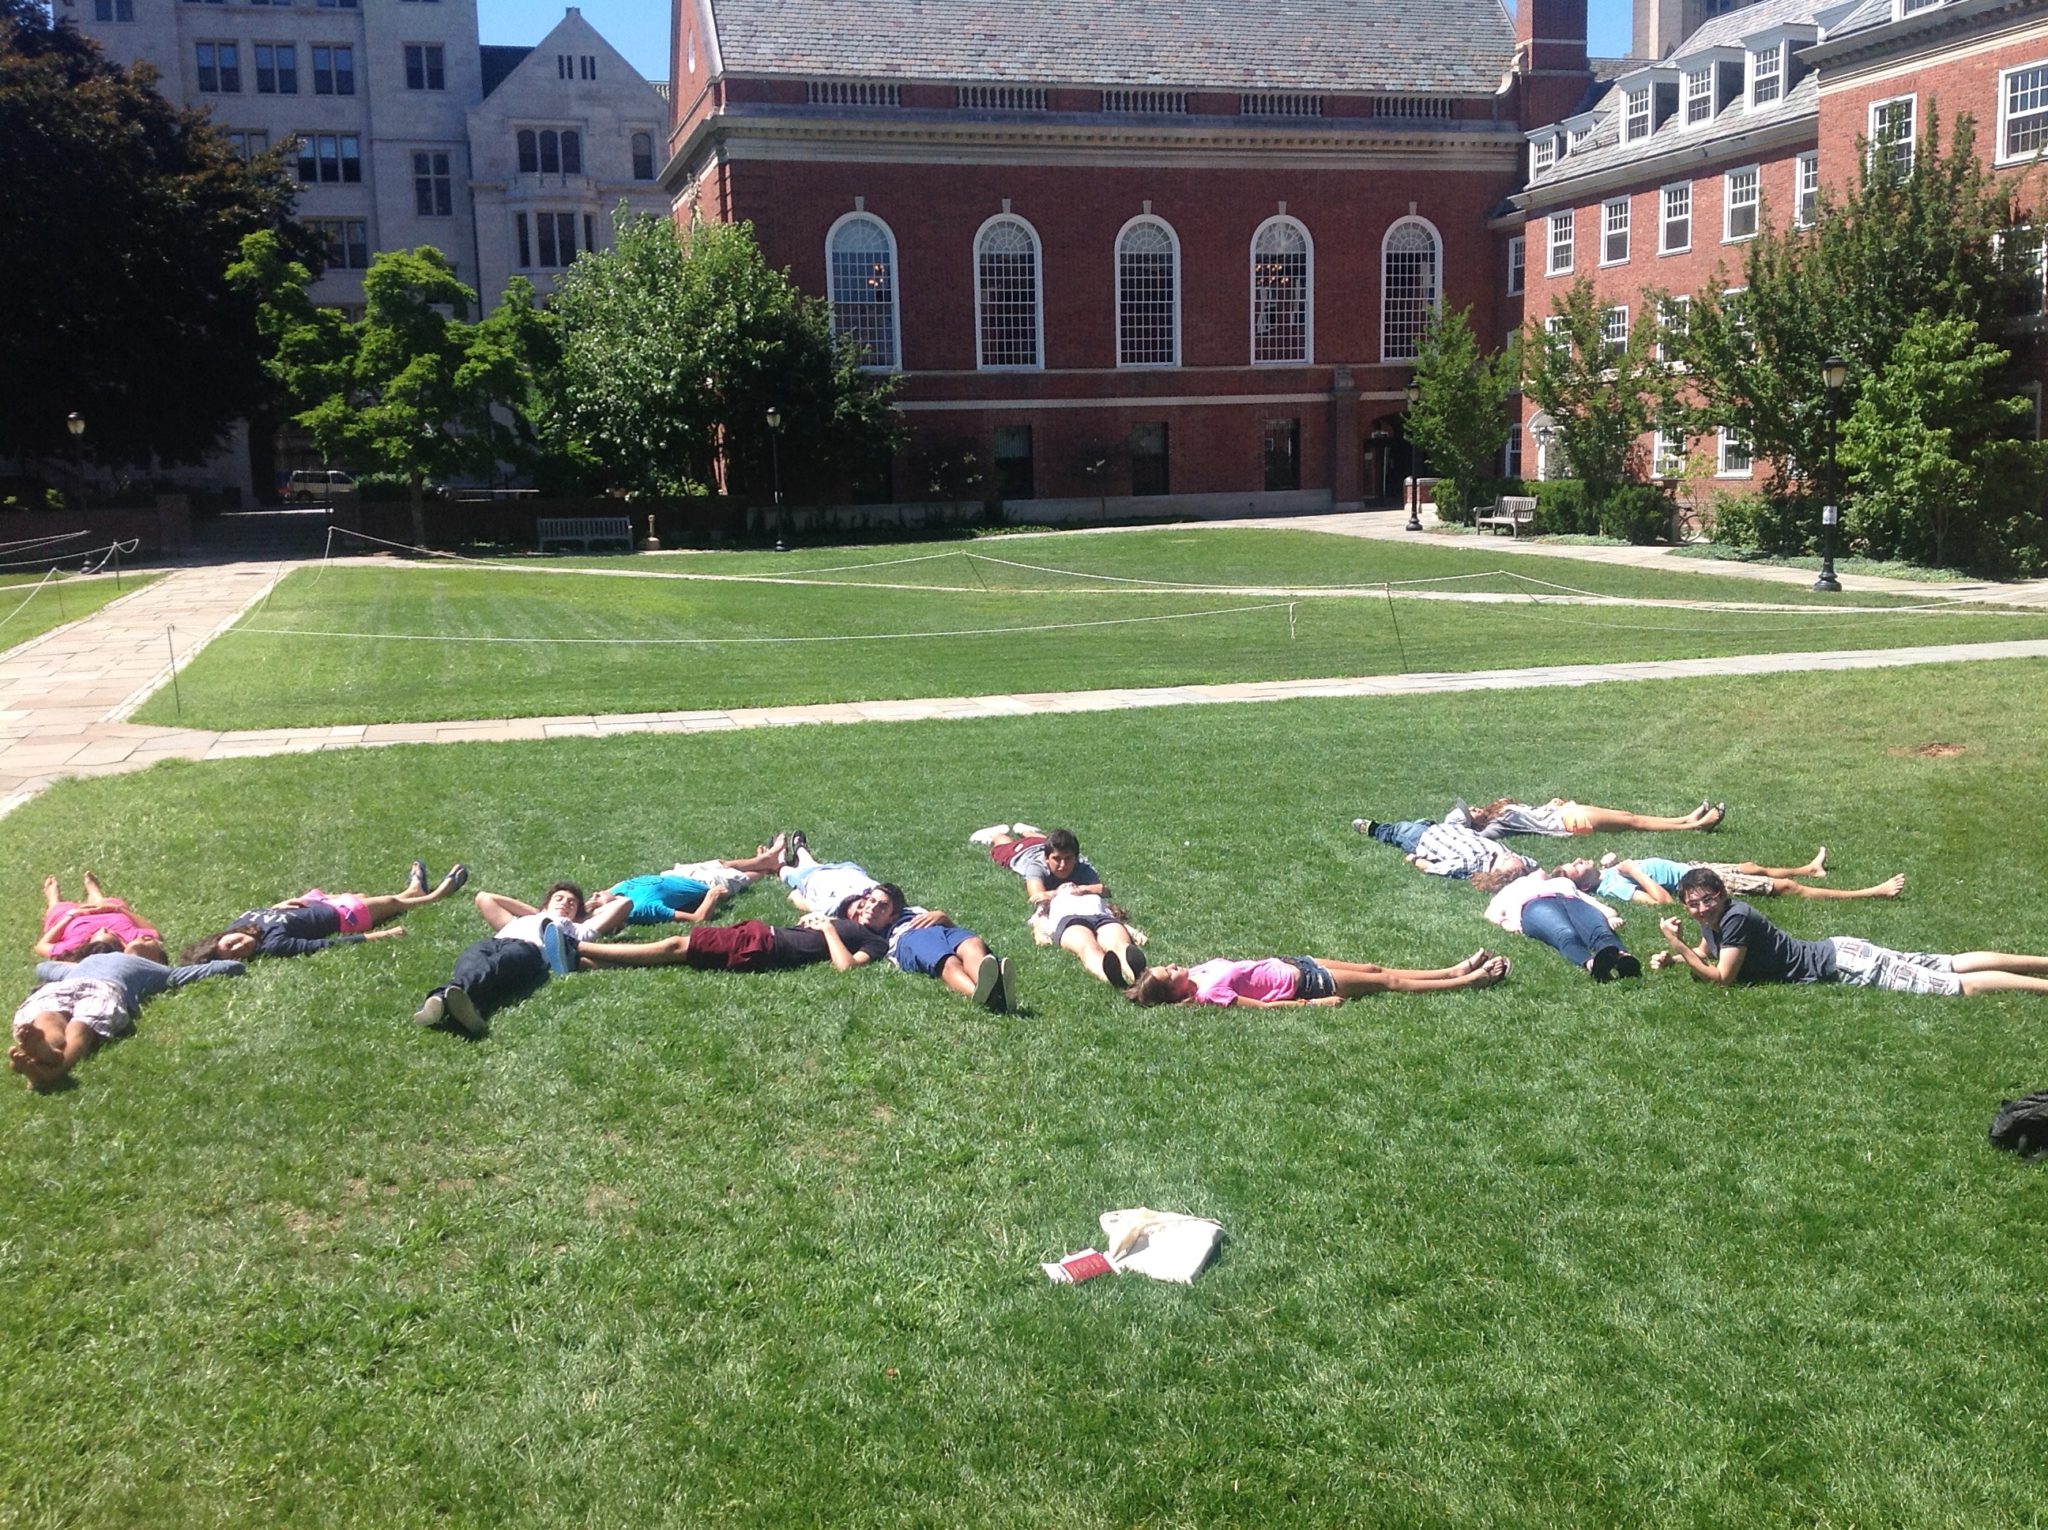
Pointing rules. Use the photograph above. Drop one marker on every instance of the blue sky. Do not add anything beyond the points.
(639, 28)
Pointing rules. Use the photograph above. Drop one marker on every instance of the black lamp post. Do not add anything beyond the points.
(1414, 465)
(75, 423)
(775, 461)
(1833, 372)
(1381, 438)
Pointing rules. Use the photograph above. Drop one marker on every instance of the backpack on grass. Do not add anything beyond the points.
(2021, 1126)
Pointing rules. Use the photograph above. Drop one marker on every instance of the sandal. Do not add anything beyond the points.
(458, 875)
(419, 877)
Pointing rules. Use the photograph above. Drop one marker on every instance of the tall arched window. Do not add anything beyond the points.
(1283, 304)
(529, 151)
(1009, 307)
(643, 156)
(1411, 289)
(860, 255)
(572, 152)
(1147, 295)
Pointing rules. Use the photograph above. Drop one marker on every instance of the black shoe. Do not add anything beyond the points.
(1134, 962)
(792, 842)
(1627, 966)
(1113, 971)
(1604, 962)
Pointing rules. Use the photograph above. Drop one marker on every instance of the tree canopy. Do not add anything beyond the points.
(1462, 412)
(1601, 391)
(119, 216)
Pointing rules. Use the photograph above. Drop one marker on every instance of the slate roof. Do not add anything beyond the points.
(1458, 47)
(499, 61)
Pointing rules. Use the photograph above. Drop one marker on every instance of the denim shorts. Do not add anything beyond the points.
(1316, 982)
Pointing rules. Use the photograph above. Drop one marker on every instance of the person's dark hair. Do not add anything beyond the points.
(1702, 876)
(208, 950)
(582, 903)
(1479, 817)
(1063, 840)
(1493, 880)
(1155, 987)
(894, 894)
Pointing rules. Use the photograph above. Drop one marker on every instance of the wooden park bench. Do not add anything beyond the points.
(584, 530)
(1513, 511)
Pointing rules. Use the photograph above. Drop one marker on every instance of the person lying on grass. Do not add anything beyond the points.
(1560, 818)
(80, 1004)
(1277, 982)
(1739, 945)
(315, 920)
(526, 946)
(1068, 898)
(99, 924)
(820, 887)
(853, 940)
(1652, 879)
(689, 892)
(1554, 911)
(1445, 849)
(926, 940)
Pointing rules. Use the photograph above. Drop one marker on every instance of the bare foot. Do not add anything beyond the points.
(1493, 972)
(50, 893)
(1817, 867)
(39, 1075)
(1891, 887)
(1472, 963)
(92, 886)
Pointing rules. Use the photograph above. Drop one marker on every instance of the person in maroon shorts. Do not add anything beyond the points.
(854, 940)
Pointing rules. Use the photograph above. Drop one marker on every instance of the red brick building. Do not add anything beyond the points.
(1171, 250)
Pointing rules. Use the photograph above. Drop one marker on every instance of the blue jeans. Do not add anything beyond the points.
(1404, 836)
(1574, 928)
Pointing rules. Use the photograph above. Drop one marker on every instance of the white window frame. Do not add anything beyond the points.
(1610, 229)
(2036, 117)
(1676, 306)
(1511, 454)
(981, 363)
(1665, 218)
(1308, 302)
(1758, 78)
(1730, 443)
(1614, 329)
(1899, 150)
(1805, 188)
(895, 362)
(1637, 113)
(1436, 299)
(1518, 265)
(1566, 223)
(1116, 258)
(1667, 456)
(1901, 9)
(1542, 154)
(1698, 96)
(1755, 203)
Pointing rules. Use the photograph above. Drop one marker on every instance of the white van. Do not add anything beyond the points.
(309, 484)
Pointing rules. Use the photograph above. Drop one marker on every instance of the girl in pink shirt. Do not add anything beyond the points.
(72, 930)
(1290, 980)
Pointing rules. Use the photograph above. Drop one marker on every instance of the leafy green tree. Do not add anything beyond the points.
(1945, 241)
(1602, 397)
(675, 345)
(412, 388)
(1462, 412)
(119, 212)
(1948, 471)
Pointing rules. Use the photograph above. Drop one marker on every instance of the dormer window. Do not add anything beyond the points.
(1699, 94)
(1636, 114)
(1542, 153)
(1905, 8)
(1766, 74)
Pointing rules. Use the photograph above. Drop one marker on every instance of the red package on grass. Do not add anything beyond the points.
(1075, 1268)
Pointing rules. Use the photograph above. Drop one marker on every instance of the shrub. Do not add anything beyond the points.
(1772, 525)
(1638, 513)
(1562, 509)
(1458, 507)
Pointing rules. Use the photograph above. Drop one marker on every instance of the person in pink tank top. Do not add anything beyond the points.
(1275, 981)
(101, 923)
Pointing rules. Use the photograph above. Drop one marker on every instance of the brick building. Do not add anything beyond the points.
(1175, 250)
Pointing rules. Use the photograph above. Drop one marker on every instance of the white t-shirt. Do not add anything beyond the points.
(527, 927)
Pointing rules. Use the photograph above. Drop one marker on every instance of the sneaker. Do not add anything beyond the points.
(792, 842)
(1113, 971)
(1134, 962)
(1627, 966)
(559, 947)
(1009, 986)
(1364, 825)
(1604, 962)
(462, 1011)
(988, 836)
(433, 1012)
(1027, 830)
(988, 980)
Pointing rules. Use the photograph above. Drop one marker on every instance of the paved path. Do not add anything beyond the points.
(65, 697)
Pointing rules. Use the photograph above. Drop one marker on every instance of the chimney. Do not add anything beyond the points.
(1551, 35)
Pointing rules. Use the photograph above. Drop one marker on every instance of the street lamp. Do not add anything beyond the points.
(1414, 464)
(75, 423)
(775, 459)
(1833, 373)
(1381, 439)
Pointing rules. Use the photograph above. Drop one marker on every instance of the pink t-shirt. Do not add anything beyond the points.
(82, 929)
(1220, 981)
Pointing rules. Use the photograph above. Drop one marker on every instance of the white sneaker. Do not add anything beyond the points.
(988, 982)
(463, 1011)
(433, 1012)
(1027, 830)
(988, 836)
(1009, 988)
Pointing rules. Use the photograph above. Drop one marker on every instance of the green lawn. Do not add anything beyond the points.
(694, 1249)
(340, 645)
(29, 608)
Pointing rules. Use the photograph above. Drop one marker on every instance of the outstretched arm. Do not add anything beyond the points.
(609, 917)
(499, 910)
(1723, 974)
(1647, 890)
(713, 896)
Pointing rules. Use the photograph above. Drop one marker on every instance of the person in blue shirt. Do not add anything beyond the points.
(1653, 879)
(315, 920)
(80, 1004)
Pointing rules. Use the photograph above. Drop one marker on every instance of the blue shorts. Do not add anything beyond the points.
(926, 950)
(658, 899)
(1316, 981)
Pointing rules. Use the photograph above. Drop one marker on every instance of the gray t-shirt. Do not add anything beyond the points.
(1771, 956)
(1031, 863)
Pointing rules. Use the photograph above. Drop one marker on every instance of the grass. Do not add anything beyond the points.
(1886, 568)
(699, 1249)
(1076, 613)
(29, 608)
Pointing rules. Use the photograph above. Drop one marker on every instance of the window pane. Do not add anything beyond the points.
(864, 290)
(1006, 279)
(572, 154)
(1280, 295)
(1409, 292)
(1146, 297)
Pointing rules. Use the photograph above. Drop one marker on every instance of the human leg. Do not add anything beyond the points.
(1977, 962)
(1356, 980)
(48, 1047)
(94, 893)
(672, 952)
(1570, 927)
(1403, 836)
(1891, 887)
(1080, 940)
(51, 897)
(494, 973)
(1471, 963)
(1603, 819)
(2001, 982)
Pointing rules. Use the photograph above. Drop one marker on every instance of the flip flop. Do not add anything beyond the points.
(458, 877)
(419, 876)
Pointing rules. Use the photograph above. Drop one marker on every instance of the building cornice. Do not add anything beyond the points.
(1921, 31)
(1669, 164)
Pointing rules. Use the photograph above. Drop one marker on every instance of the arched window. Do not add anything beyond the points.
(643, 156)
(529, 152)
(550, 153)
(860, 256)
(1009, 307)
(1147, 295)
(572, 153)
(1282, 301)
(1410, 291)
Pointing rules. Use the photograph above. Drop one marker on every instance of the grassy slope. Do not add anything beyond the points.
(27, 612)
(270, 673)
(677, 1246)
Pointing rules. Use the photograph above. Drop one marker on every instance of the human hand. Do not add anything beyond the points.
(928, 919)
(1662, 959)
(1672, 929)
(392, 933)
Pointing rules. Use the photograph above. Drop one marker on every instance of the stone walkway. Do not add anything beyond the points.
(65, 697)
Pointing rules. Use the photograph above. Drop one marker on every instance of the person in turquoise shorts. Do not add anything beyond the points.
(1653, 879)
(689, 892)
